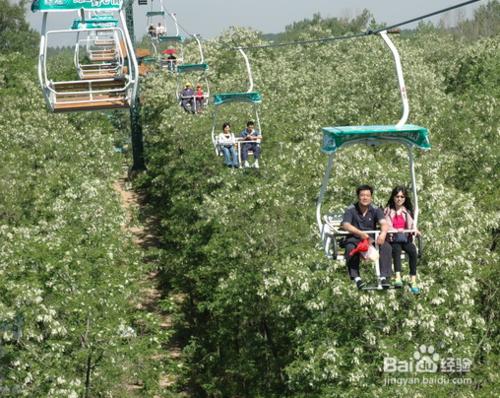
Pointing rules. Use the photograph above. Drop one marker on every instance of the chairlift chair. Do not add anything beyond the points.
(152, 16)
(335, 138)
(174, 42)
(102, 48)
(91, 93)
(249, 97)
(196, 69)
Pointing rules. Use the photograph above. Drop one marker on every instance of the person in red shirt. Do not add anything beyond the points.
(398, 214)
(199, 98)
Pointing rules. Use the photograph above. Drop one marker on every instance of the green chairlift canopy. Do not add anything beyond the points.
(192, 67)
(95, 23)
(224, 98)
(155, 13)
(149, 60)
(71, 5)
(335, 137)
(164, 38)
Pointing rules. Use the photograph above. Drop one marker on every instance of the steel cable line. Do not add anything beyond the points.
(353, 36)
(182, 27)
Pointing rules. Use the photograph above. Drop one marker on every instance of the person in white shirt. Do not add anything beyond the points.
(227, 142)
(160, 30)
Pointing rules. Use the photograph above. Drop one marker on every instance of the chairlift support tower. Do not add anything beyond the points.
(136, 135)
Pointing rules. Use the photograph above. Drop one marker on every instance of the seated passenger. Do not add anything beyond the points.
(358, 218)
(152, 31)
(252, 138)
(160, 30)
(187, 98)
(200, 98)
(226, 142)
(171, 62)
(398, 214)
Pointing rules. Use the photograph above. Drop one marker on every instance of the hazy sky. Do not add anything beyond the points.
(211, 17)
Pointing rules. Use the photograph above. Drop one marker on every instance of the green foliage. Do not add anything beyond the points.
(60, 64)
(68, 271)
(473, 80)
(486, 22)
(15, 32)
(477, 71)
(327, 26)
(265, 313)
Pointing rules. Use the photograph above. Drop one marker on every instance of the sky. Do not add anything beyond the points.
(211, 17)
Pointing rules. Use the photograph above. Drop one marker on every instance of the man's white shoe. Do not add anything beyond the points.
(246, 164)
(256, 164)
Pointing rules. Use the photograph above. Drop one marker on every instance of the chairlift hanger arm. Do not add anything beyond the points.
(249, 70)
(202, 59)
(401, 82)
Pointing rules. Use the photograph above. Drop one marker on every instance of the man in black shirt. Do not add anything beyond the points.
(358, 218)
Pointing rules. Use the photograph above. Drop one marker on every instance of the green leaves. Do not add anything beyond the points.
(267, 314)
(68, 271)
(15, 32)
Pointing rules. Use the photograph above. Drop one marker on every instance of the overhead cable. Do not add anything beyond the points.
(353, 36)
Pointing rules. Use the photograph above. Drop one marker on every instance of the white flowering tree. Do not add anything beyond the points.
(69, 273)
(266, 314)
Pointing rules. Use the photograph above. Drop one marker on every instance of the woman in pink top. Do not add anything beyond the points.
(199, 98)
(398, 214)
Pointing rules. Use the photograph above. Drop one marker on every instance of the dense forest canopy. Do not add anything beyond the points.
(15, 32)
(262, 312)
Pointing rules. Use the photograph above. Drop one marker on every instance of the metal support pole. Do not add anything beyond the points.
(401, 81)
(413, 187)
(249, 70)
(322, 191)
(135, 110)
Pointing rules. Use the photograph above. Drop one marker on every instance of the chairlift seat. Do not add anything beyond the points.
(100, 66)
(101, 87)
(102, 58)
(107, 55)
(104, 43)
(111, 103)
(336, 137)
(192, 68)
(75, 96)
(75, 85)
(223, 98)
(101, 74)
